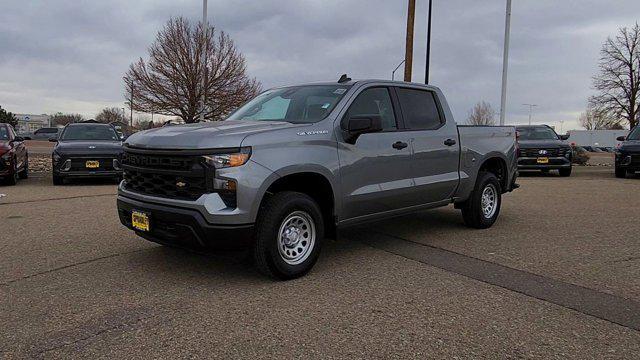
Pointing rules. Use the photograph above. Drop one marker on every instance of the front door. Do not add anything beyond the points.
(375, 170)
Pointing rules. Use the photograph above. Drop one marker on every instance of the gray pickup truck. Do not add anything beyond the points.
(296, 163)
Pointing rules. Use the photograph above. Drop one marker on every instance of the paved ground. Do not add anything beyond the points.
(556, 277)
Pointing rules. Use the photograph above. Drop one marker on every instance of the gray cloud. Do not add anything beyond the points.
(70, 55)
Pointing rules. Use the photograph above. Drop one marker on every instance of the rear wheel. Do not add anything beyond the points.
(289, 235)
(621, 173)
(482, 208)
(565, 172)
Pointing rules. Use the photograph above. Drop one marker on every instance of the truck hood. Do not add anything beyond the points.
(88, 147)
(208, 135)
(547, 144)
(630, 146)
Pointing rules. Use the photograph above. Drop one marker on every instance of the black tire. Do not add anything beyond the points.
(24, 174)
(58, 180)
(472, 211)
(621, 173)
(274, 213)
(565, 172)
(13, 178)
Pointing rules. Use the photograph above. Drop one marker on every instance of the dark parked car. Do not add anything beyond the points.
(542, 149)
(14, 159)
(86, 150)
(43, 134)
(628, 154)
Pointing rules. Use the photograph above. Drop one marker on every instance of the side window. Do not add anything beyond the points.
(376, 102)
(419, 109)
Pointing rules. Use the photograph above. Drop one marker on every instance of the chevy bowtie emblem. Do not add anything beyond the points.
(181, 184)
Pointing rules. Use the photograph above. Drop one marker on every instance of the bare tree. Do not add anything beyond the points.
(596, 118)
(170, 82)
(111, 114)
(618, 80)
(64, 119)
(482, 114)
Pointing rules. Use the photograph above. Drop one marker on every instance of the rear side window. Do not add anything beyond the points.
(419, 109)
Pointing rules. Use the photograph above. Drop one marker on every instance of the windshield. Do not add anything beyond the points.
(90, 132)
(4, 133)
(537, 133)
(298, 104)
(634, 134)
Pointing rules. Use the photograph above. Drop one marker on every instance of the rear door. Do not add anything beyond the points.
(435, 145)
(375, 170)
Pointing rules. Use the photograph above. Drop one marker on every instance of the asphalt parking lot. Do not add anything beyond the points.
(558, 276)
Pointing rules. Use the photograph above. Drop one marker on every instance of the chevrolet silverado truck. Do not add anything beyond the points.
(540, 148)
(627, 160)
(297, 163)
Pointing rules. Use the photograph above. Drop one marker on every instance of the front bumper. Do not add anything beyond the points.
(531, 163)
(183, 227)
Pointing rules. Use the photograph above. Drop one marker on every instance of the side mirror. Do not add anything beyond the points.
(563, 137)
(358, 125)
(53, 139)
(621, 138)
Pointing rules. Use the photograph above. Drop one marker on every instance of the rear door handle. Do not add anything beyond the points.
(449, 142)
(399, 145)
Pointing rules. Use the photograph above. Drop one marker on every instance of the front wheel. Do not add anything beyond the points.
(482, 208)
(288, 236)
(621, 173)
(58, 180)
(565, 172)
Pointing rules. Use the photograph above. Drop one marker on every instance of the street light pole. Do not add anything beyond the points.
(393, 73)
(205, 31)
(505, 62)
(531, 106)
(426, 73)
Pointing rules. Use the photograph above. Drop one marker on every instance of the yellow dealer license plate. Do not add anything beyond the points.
(140, 221)
(92, 164)
(543, 160)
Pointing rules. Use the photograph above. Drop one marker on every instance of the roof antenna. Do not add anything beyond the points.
(344, 78)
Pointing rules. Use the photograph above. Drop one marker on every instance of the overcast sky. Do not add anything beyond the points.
(70, 55)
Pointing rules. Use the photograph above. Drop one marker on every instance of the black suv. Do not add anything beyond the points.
(87, 150)
(628, 153)
(542, 149)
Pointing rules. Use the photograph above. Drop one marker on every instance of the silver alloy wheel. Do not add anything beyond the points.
(489, 201)
(296, 237)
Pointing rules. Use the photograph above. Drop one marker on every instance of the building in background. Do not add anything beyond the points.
(597, 138)
(31, 123)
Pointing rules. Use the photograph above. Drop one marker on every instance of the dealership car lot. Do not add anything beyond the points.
(73, 282)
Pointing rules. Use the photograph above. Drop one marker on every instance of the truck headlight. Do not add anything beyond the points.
(568, 153)
(220, 161)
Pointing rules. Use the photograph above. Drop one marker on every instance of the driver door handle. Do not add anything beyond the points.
(399, 145)
(449, 142)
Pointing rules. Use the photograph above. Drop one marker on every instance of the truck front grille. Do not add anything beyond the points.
(549, 152)
(182, 177)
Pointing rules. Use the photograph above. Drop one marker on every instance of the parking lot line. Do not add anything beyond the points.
(611, 308)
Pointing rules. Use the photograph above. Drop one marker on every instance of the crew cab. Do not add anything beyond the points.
(627, 155)
(541, 148)
(296, 163)
(86, 150)
(14, 157)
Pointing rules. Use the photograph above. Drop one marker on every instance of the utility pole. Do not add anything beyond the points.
(505, 62)
(531, 106)
(205, 31)
(426, 72)
(408, 56)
